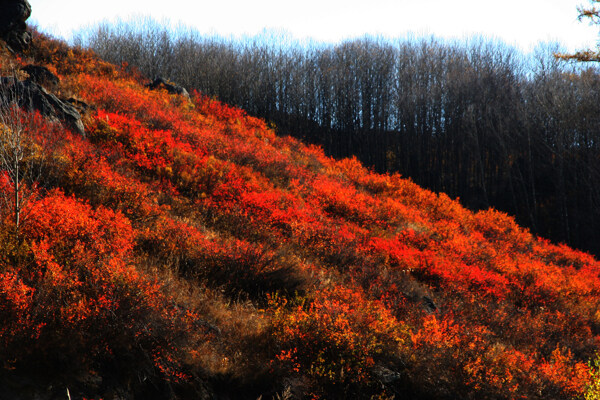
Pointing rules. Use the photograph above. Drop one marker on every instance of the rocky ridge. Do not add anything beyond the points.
(13, 29)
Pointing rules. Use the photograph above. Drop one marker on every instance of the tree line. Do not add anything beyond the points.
(477, 119)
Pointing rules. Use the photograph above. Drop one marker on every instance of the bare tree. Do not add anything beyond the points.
(21, 144)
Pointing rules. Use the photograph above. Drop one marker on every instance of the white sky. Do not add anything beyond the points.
(520, 22)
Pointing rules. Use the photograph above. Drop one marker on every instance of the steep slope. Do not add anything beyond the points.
(183, 250)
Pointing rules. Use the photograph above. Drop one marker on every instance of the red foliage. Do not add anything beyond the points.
(79, 298)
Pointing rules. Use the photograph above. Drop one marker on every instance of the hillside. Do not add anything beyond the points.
(180, 249)
(476, 118)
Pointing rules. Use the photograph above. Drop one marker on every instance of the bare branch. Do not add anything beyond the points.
(21, 159)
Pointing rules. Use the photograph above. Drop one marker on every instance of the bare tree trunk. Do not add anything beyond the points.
(21, 156)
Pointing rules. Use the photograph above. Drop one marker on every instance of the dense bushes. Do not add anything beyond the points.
(73, 302)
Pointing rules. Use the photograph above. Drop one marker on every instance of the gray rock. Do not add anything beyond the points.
(81, 106)
(13, 30)
(32, 96)
(385, 375)
(429, 305)
(41, 75)
(169, 86)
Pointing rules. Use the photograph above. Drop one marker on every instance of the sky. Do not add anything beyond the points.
(523, 23)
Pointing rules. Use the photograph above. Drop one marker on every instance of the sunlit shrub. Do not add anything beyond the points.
(592, 389)
(336, 339)
(78, 304)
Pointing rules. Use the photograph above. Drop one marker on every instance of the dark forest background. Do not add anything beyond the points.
(475, 119)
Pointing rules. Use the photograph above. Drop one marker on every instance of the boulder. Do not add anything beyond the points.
(13, 30)
(32, 96)
(169, 86)
(80, 106)
(41, 75)
(429, 305)
(385, 375)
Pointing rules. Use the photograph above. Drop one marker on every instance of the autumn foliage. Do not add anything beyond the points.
(185, 243)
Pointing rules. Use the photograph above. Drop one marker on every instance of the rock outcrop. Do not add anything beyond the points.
(169, 86)
(41, 75)
(13, 30)
(80, 106)
(32, 96)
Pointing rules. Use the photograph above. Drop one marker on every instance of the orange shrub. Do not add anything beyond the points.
(336, 340)
(78, 304)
